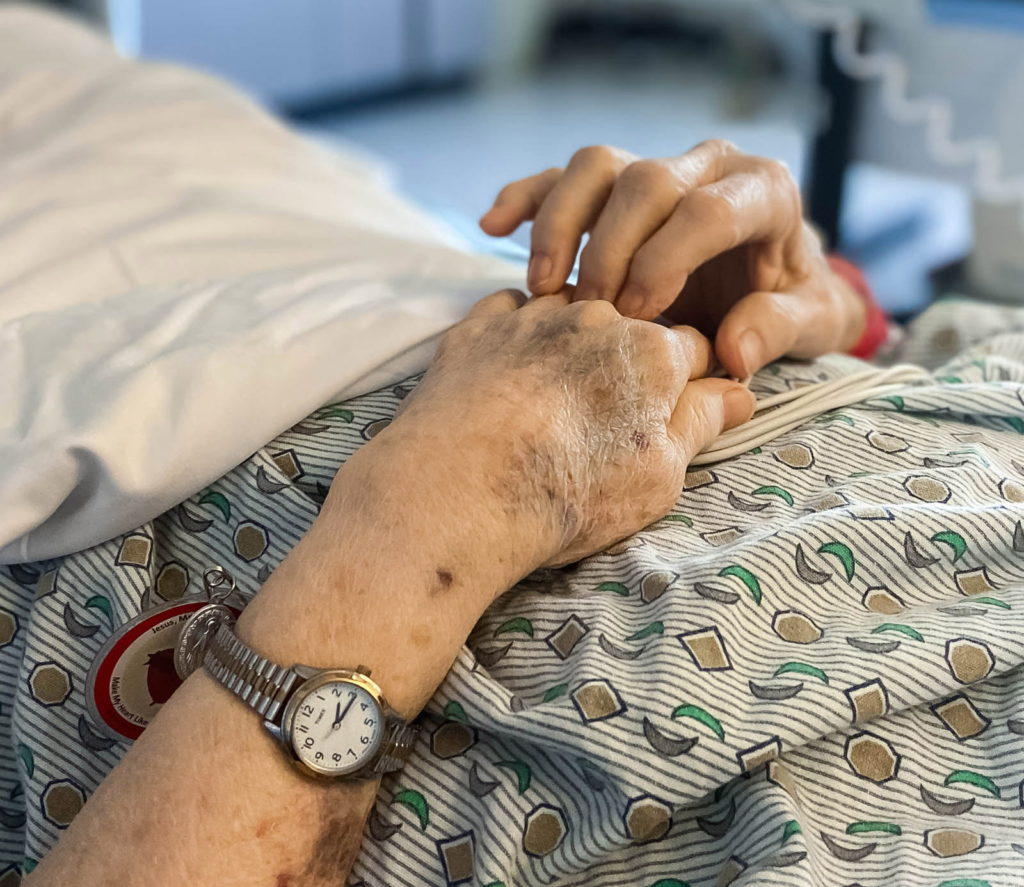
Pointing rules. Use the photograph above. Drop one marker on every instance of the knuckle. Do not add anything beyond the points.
(510, 294)
(713, 208)
(655, 357)
(721, 147)
(645, 176)
(657, 340)
(778, 170)
(594, 312)
(595, 155)
(781, 178)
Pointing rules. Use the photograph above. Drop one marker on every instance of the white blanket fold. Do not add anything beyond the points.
(182, 278)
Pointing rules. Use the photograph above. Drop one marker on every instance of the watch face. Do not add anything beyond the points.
(337, 728)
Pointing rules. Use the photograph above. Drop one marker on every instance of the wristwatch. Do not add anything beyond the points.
(332, 723)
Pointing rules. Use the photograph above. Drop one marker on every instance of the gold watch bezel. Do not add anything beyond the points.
(311, 685)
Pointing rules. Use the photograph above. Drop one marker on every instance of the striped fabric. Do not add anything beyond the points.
(809, 673)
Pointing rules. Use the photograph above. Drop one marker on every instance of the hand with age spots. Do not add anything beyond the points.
(584, 420)
(543, 431)
(714, 238)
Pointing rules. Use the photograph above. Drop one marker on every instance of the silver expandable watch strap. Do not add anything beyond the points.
(396, 747)
(261, 684)
(265, 687)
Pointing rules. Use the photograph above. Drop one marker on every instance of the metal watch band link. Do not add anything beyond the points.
(261, 684)
(396, 747)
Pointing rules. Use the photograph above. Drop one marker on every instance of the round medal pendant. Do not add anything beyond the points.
(133, 675)
(134, 672)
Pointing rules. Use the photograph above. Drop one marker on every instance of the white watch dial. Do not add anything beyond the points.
(337, 727)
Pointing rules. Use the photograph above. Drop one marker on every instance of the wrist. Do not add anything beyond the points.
(854, 312)
(873, 326)
(449, 493)
(410, 548)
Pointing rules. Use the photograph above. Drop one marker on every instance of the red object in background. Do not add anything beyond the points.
(876, 329)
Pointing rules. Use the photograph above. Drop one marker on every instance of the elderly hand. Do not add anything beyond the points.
(714, 238)
(580, 422)
(541, 433)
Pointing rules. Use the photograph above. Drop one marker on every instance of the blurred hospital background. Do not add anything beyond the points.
(456, 97)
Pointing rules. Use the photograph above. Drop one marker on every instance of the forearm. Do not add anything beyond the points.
(382, 580)
(538, 436)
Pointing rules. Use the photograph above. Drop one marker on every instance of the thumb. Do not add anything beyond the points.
(705, 409)
(764, 326)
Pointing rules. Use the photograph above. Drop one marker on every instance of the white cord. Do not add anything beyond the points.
(934, 112)
(783, 412)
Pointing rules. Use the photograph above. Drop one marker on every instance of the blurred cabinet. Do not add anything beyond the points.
(460, 35)
(291, 52)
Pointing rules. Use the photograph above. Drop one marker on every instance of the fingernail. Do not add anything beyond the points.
(539, 270)
(751, 347)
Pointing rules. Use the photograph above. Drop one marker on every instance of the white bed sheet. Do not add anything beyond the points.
(182, 278)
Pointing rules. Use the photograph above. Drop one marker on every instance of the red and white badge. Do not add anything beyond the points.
(133, 674)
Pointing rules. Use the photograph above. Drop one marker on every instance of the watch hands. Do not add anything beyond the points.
(340, 715)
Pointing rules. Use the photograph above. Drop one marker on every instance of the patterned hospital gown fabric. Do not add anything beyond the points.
(810, 673)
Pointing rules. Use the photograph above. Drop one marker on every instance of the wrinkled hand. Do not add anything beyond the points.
(714, 238)
(584, 420)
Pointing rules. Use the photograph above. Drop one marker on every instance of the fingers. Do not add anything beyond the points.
(743, 207)
(518, 202)
(539, 304)
(764, 326)
(706, 408)
(697, 351)
(568, 211)
(501, 302)
(643, 198)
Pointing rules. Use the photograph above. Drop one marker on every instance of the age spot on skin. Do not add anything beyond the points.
(546, 340)
(284, 881)
(420, 637)
(445, 580)
(641, 442)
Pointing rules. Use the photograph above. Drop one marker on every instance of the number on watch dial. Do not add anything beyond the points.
(336, 728)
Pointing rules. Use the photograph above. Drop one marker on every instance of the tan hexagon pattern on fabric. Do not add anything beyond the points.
(872, 757)
(50, 683)
(62, 800)
(543, 830)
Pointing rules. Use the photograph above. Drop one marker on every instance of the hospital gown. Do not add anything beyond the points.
(808, 673)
